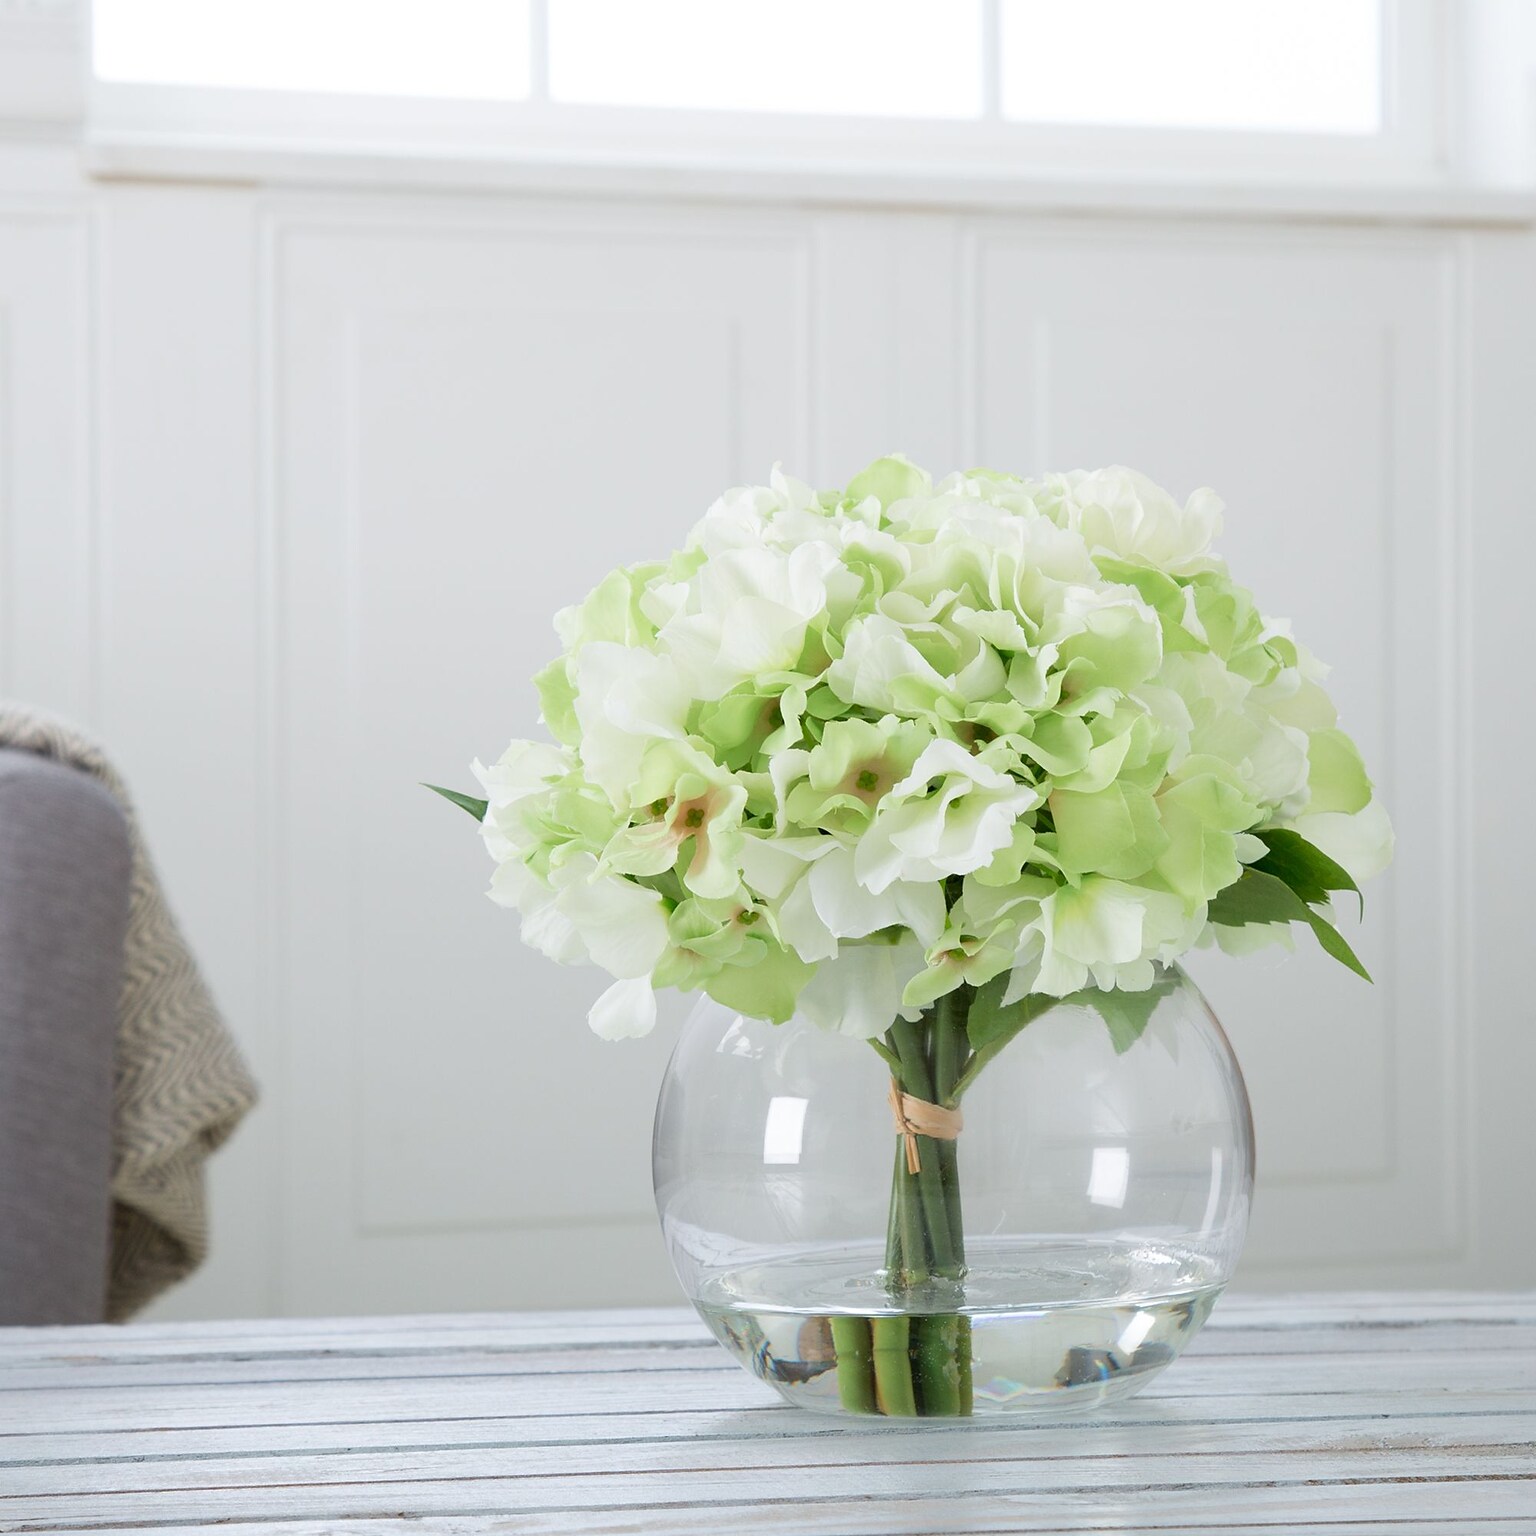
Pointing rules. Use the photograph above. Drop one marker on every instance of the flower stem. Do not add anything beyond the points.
(921, 1361)
(937, 1365)
(918, 1363)
(951, 1050)
(851, 1339)
(917, 1079)
(951, 1053)
(894, 1385)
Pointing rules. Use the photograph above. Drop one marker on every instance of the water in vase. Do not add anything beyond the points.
(1052, 1327)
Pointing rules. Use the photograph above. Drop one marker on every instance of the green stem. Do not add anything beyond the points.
(937, 1365)
(951, 1049)
(914, 1261)
(921, 1363)
(951, 1052)
(963, 1356)
(853, 1342)
(917, 1080)
(891, 1337)
(906, 1250)
(893, 1244)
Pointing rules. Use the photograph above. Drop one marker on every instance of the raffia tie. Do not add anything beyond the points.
(917, 1117)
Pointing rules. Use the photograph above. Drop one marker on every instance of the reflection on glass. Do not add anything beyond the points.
(783, 1128)
(1135, 1332)
(1109, 1176)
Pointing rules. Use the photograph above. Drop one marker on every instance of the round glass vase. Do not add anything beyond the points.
(1055, 1255)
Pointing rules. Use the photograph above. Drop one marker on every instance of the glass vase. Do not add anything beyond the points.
(1053, 1252)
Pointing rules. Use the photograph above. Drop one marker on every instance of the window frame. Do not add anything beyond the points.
(1419, 47)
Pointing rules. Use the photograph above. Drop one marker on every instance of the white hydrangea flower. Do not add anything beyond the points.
(947, 817)
(1104, 933)
(859, 991)
(1124, 513)
(525, 769)
(878, 658)
(626, 698)
(829, 903)
(745, 614)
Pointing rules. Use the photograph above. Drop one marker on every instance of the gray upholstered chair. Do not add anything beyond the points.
(64, 882)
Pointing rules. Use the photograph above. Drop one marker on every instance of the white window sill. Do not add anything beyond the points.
(141, 156)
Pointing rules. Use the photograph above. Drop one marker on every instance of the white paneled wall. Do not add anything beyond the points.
(294, 480)
(48, 629)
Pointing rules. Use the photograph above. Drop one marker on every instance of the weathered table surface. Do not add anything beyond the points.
(1345, 1414)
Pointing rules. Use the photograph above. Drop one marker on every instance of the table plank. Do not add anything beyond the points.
(1398, 1513)
(1338, 1413)
(1242, 1314)
(1197, 1379)
(1037, 1487)
(762, 1420)
(1138, 1450)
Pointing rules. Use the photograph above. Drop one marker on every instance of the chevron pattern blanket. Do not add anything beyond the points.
(181, 1085)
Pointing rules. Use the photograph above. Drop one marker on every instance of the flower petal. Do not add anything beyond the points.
(859, 992)
(625, 1011)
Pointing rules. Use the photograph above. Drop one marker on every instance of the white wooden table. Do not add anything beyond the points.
(1338, 1414)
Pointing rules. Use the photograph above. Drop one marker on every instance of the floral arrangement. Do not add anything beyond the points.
(848, 751)
(915, 761)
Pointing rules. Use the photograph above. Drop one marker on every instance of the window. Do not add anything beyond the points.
(991, 83)
(1304, 66)
(433, 48)
(876, 58)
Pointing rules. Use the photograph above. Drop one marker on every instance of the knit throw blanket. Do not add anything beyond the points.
(181, 1085)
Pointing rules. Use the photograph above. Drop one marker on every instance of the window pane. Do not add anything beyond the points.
(905, 58)
(1309, 66)
(458, 48)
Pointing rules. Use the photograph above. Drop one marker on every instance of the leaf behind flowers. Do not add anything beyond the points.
(1125, 1014)
(1304, 867)
(1257, 897)
(476, 808)
(991, 1023)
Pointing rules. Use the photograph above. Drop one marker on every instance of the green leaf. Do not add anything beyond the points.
(476, 808)
(988, 1019)
(1126, 1014)
(990, 1024)
(1263, 898)
(1335, 943)
(1257, 897)
(1304, 867)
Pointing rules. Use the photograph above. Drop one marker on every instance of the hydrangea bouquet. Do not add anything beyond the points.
(913, 761)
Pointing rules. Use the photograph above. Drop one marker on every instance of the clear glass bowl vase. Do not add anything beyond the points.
(1056, 1254)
